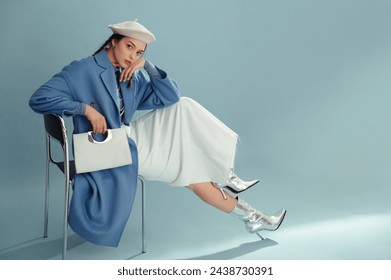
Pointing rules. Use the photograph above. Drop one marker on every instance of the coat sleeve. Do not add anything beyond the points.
(157, 91)
(56, 97)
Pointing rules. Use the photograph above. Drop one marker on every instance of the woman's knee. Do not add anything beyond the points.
(186, 101)
(192, 187)
(199, 186)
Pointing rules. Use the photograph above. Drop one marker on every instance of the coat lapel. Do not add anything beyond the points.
(108, 79)
(108, 75)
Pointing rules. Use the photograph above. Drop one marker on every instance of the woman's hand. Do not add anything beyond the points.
(97, 120)
(127, 73)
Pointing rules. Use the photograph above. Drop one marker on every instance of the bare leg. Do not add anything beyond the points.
(212, 195)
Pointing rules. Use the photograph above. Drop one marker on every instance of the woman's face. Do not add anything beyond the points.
(126, 51)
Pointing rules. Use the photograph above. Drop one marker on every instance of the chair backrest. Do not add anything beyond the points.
(55, 127)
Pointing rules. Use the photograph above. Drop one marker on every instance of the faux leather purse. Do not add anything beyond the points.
(92, 155)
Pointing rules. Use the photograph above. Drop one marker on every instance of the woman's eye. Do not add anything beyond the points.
(140, 53)
(130, 47)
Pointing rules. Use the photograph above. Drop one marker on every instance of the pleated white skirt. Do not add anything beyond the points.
(183, 144)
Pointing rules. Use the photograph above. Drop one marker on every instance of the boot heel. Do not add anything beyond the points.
(222, 193)
(236, 191)
(260, 236)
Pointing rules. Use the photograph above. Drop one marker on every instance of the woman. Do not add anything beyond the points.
(179, 142)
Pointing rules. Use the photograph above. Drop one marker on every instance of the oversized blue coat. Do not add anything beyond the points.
(102, 201)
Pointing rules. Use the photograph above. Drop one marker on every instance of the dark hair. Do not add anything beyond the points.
(108, 42)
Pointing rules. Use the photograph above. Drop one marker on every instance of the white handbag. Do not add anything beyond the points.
(92, 155)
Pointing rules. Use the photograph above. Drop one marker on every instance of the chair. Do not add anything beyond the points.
(56, 130)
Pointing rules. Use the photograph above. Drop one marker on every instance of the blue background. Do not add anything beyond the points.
(306, 84)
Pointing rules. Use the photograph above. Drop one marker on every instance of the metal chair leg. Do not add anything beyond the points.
(65, 229)
(46, 211)
(143, 200)
(66, 205)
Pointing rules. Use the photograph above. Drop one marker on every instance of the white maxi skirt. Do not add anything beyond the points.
(183, 144)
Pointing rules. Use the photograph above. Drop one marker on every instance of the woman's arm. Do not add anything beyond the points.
(158, 90)
(56, 97)
(155, 90)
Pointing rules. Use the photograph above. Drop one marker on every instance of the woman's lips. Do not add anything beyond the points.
(128, 62)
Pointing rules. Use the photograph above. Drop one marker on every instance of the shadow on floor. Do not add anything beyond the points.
(41, 249)
(239, 251)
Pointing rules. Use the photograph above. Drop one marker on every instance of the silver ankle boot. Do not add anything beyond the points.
(235, 184)
(255, 220)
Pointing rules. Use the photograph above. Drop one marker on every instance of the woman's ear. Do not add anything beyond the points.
(114, 42)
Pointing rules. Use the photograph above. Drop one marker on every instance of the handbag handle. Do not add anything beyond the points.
(108, 137)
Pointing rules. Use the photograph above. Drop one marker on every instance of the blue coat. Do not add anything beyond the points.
(102, 200)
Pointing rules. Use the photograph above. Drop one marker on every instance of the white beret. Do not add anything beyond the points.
(133, 29)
